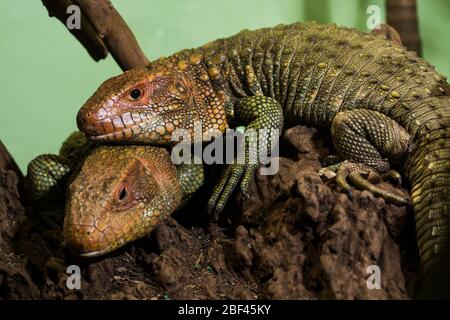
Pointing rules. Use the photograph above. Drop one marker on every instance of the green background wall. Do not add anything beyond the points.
(45, 74)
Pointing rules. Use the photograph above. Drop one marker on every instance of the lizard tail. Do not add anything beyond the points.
(428, 170)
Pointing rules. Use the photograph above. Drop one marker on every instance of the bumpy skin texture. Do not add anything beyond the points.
(320, 75)
(114, 195)
(48, 174)
(106, 210)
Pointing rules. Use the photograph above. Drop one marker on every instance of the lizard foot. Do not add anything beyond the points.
(363, 177)
(227, 183)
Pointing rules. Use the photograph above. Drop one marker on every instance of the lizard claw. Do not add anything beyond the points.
(245, 194)
(393, 176)
(350, 194)
(226, 185)
(364, 177)
(249, 173)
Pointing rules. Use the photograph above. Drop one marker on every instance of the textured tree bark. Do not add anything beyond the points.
(102, 30)
(15, 282)
(402, 16)
(7, 162)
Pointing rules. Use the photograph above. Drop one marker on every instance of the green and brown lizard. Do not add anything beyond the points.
(114, 194)
(383, 106)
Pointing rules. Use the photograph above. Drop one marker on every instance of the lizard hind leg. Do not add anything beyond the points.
(368, 142)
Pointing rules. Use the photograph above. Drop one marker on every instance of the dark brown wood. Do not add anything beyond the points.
(402, 16)
(102, 30)
(87, 35)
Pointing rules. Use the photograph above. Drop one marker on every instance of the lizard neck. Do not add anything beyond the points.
(208, 72)
(235, 69)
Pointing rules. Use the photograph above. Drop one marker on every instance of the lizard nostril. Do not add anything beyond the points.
(87, 121)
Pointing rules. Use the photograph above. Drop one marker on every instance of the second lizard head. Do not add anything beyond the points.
(120, 194)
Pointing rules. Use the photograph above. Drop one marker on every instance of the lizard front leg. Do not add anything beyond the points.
(263, 119)
(46, 179)
(367, 142)
(47, 174)
(190, 177)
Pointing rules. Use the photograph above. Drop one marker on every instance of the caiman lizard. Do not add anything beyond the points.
(383, 105)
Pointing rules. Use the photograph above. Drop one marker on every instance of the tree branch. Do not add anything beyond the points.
(102, 30)
(402, 15)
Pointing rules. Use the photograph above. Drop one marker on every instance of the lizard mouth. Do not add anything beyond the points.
(121, 134)
(92, 254)
(117, 135)
(113, 128)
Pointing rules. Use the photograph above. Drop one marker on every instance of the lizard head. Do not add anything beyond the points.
(146, 105)
(119, 195)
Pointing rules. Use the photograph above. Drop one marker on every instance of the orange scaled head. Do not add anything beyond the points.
(119, 195)
(146, 105)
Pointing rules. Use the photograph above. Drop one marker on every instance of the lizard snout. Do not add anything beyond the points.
(101, 125)
(86, 240)
(89, 122)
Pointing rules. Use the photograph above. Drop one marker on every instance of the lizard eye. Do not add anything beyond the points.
(135, 94)
(122, 195)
